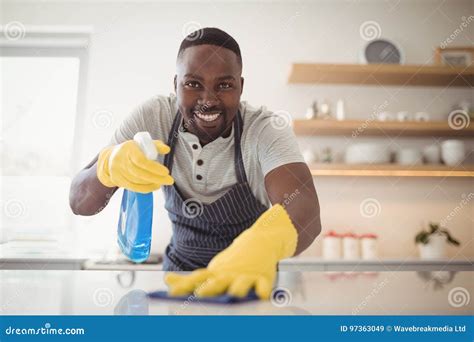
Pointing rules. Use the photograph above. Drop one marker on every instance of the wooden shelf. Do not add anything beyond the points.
(382, 74)
(379, 128)
(391, 170)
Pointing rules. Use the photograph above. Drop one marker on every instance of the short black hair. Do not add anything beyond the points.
(211, 36)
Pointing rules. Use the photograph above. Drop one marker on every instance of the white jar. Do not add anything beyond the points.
(369, 246)
(434, 249)
(332, 246)
(452, 152)
(431, 154)
(350, 246)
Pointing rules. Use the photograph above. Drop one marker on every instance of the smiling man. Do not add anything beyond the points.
(237, 164)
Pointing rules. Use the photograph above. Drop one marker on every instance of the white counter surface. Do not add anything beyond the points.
(50, 292)
(383, 264)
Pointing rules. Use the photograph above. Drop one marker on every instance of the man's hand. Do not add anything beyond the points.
(249, 262)
(126, 166)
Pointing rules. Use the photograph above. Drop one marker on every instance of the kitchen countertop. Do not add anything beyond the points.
(41, 255)
(400, 264)
(47, 292)
(315, 264)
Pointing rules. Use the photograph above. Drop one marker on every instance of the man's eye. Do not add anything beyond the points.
(225, 85)
(192, 84)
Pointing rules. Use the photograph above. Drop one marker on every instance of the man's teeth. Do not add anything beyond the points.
(207, 117)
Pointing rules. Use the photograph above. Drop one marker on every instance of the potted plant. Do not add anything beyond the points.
(432, 243)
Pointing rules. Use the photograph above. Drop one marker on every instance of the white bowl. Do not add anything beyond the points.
(367, 154)
(385, 116)
(452, 158)
(408, 156)
(452, 152)
(403, 116)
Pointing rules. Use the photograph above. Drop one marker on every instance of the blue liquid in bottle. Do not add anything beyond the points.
(136, 211)
(134, 227)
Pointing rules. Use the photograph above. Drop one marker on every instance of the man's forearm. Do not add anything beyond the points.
(87, 195)
(306, 218)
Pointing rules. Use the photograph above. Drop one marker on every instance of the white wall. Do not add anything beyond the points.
(132, 57)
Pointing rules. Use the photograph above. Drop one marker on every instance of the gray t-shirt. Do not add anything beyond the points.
(265, 146)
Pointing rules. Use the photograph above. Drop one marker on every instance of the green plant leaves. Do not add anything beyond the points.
(450, 239)
(424, 236)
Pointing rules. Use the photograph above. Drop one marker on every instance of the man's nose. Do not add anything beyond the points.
(209, 98)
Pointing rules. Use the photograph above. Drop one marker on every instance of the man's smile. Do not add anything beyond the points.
(208, 116)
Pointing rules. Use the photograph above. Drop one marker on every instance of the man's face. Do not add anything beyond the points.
(208, 86)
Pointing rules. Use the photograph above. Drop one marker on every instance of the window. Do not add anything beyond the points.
(42, 100)
(39, 112)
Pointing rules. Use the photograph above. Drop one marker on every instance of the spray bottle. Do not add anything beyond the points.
(136, 212)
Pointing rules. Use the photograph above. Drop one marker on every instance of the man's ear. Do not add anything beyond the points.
(175, 83)
(241, 85)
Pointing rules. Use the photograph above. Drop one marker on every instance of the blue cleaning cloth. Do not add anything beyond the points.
(221, 299)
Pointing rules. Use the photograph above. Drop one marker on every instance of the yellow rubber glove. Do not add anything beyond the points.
(126, 166)
(249, 262)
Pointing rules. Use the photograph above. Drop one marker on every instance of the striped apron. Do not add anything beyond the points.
(200, 231)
